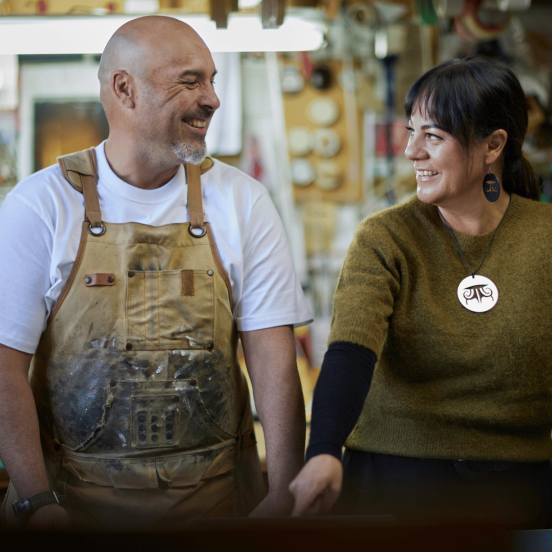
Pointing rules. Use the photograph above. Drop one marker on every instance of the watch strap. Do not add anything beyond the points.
(25, 508)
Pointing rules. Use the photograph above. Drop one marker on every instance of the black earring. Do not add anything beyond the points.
(491, 186)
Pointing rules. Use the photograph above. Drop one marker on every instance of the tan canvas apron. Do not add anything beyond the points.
(144, 412)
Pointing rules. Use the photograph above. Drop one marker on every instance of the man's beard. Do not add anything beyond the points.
(188, 153)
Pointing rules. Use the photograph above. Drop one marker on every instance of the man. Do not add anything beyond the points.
(136, 412)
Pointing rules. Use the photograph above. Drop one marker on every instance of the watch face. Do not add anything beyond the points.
(21, 508)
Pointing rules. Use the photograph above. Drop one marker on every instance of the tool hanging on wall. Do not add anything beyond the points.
(470, 26)
(272, 13)
(389, 43)
(219, 11)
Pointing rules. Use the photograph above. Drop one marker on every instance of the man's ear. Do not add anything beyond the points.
(495, 145)
(123, 86)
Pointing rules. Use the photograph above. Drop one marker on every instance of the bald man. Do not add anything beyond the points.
(129, 271)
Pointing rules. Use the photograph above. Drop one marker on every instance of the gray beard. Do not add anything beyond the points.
(188, 153)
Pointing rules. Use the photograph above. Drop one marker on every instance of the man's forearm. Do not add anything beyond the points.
(20, 449)
(271, 362)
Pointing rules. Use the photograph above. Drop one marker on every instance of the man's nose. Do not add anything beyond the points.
(209, 99)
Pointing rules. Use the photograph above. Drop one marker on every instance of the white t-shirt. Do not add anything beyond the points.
(40, 228)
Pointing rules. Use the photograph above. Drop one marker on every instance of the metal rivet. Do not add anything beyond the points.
(210, 272)
(169, 436)
(210, 345)
(128, 346)
(113, 383)
(110, 279)
(88, 280)
(131, 273)
(193, 382)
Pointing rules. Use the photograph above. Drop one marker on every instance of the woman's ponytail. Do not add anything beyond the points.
(520, 178)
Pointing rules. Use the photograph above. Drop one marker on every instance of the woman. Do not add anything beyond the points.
(451, 293)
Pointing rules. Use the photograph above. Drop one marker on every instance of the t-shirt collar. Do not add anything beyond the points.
(159, 195)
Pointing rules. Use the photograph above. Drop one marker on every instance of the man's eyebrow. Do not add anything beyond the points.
(193, 73)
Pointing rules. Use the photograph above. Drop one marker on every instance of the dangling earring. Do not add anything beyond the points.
(491, 186)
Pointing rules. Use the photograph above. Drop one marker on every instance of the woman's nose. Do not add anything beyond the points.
(414, 150)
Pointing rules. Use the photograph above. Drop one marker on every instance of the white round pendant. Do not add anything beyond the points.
(477, 293)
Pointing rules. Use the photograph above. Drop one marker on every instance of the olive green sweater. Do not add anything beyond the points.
(450, 383)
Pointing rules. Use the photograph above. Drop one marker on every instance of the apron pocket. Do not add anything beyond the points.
(170, 309)
(175, 470)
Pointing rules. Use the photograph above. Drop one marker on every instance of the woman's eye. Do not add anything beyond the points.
(429, 135)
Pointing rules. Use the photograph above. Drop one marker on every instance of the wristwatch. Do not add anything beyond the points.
(24, 509)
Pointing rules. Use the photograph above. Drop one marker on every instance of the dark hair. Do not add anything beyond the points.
(471, 98)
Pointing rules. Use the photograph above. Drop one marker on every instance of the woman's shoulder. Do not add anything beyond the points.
(531, 214)
(404, 218)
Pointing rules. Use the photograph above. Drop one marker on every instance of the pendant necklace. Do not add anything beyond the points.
(476, 293)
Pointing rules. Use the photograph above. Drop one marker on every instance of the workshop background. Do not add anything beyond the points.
(312, 98)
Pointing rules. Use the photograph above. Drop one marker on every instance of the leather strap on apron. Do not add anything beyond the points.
(82, 173)
(195, 201)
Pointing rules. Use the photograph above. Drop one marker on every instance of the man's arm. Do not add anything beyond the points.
(271, 361)
(20, 449)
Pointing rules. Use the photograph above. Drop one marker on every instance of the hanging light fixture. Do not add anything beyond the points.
(300, 31)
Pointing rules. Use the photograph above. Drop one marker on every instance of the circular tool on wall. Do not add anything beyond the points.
(302, 172)
(300, 141)
(324, 112)
(326, 142)
(328, 175)
(471, 27)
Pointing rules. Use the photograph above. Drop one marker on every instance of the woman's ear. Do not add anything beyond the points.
(495, 143)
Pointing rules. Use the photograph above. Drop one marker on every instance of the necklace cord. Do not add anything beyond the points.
(473, 273)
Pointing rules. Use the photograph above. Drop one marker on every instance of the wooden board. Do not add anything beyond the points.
(296, 113)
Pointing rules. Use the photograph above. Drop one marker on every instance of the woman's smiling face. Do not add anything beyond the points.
(445, 174)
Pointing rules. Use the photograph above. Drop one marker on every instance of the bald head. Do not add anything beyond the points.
(143, 43)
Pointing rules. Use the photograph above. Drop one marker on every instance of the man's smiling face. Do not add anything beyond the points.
(176, 99)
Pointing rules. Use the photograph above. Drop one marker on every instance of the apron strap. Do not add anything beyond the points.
(90, 191)
(81, 170)
(195, 200)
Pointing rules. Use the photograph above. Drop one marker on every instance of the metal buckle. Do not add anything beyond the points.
(96, 234)
(203, 229)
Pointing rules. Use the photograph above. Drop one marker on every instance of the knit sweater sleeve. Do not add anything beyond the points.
(368, 285)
